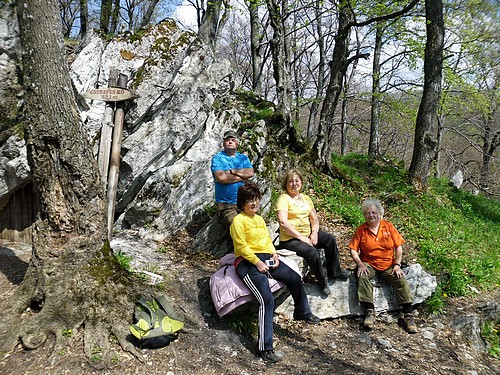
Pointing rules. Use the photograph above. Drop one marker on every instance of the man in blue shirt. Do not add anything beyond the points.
(230, 170)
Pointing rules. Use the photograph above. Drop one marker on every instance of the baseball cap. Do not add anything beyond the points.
(230, 134)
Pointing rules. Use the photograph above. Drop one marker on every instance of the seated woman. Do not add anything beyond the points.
(299, 232)
(253, 250)
(376, 249)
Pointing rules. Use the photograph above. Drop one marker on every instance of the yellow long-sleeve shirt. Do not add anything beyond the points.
(250, 236)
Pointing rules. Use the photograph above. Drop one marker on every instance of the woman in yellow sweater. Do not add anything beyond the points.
(299, 232)
(253, 249)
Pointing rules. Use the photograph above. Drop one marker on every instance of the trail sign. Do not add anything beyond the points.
(110, 94)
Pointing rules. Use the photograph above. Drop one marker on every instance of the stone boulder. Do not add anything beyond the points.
(343, 301)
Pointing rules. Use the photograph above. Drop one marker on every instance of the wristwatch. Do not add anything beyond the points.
(397, 264)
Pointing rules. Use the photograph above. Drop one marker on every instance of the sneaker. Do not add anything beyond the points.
(370, 318)
(269, 356)
(410, 325)
(311, 319)
(343, 275)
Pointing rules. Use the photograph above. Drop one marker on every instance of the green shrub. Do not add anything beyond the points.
(124, 260)
(490, 332)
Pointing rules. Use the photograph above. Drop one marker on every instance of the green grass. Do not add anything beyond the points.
(124, 260)
(243, 323)
(491, 333)
(455, 234)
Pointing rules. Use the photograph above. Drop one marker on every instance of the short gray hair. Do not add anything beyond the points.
(370, 202)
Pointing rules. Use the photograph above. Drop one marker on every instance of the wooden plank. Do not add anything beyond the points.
(114, 162)
(106, 134)
(110, 94)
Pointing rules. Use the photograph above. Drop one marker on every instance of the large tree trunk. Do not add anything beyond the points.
(256, 36)
(148, 15)
(212, 23)
(338, 68)
(427, 117)
(281, 65)
(84, 18)
(105, 17)
(73, 280)
(373, 148)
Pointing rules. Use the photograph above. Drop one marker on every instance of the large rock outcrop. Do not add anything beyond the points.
(171, 129)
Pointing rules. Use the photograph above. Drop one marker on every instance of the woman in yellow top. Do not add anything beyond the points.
(299, 232)
(253, 248)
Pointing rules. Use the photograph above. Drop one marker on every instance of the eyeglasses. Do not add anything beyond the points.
(254, 201)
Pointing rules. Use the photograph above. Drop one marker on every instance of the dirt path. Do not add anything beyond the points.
(208, 346)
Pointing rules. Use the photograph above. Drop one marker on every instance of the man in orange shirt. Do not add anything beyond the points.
(376, 248)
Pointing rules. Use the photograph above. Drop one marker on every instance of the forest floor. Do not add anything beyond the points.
(208, 345)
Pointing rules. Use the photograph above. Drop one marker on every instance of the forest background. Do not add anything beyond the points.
(348, 76)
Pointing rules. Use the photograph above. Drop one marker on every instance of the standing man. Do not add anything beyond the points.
(230, 170)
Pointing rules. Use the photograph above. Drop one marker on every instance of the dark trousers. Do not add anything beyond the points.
(326, 242)
(259, 285)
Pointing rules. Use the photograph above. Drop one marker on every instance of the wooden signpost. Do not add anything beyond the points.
(111, 136)
(111, 94)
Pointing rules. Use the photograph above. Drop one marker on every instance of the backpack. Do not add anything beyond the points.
(156, 323)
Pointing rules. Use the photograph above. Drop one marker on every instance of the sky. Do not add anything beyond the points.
(186, 15)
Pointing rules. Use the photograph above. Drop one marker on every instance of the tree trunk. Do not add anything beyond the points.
(73, 280)
(313, 113)
(373, 148)
(280, 51)
(338, 68)
(84, 18)
(115, 17)
(256, 36)
(148, 15)
(106, 6)
(491, 141)
(212, 23)
(427, 117)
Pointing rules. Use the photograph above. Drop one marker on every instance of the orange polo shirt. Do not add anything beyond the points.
(377, 250)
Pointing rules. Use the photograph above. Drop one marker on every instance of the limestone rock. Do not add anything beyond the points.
(171, 130)
(343, 301)
(15, 170)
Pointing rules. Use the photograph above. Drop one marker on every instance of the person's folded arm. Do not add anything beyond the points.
(244, 173)
(226, 177)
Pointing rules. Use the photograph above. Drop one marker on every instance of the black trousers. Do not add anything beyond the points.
(327, 242)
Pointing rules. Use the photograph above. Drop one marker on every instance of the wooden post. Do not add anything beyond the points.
(106, 133)
(114, 163)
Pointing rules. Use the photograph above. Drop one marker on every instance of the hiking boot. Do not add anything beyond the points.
(370, 318)
(410, 325)
(269, 356)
